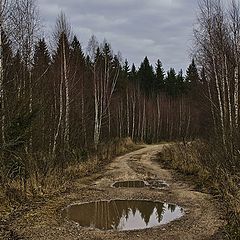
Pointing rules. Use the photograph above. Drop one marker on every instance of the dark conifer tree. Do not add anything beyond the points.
(133, 73)
(79, 97)
(171, 83)
(180, 86)
(160, 83)
(124, 77)
(192, 77)
(146, 77)
(42, 97)
(126, 69)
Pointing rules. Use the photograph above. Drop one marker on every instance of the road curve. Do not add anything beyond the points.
(201, 221)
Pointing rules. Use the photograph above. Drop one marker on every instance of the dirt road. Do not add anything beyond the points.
(201, 221)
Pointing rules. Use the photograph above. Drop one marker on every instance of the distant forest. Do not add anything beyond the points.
(66, 99)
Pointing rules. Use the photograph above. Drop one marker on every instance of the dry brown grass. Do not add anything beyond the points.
(53, 178)
(212, 171)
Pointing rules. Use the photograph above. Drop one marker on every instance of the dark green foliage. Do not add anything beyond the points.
(42, 96)
(123, 78)
(192, 77)
(107, 52)
(160, 82)
(171, 83)
(58, 56)
(76, 50)
(17, 137)
(181, 86)
(146, 77)
(133, 74)
(126, 69)
(80, 155)
(40, 72)
(41, 55)
(18, 131)
(175, 84)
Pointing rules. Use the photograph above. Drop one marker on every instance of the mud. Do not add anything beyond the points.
(202, 215)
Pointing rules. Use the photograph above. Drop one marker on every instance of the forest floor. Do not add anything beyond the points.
(202, 219)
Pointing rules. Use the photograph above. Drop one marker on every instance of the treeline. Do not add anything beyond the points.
(68, 99)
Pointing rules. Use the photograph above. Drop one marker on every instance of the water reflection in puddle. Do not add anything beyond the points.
(122, 214)
(130, 184)
(140, 184)
(157, 183)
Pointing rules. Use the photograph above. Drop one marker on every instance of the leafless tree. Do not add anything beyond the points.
(105, 69)
(217, 38)
(63, 33)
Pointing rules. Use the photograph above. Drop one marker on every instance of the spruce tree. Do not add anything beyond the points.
(126, 69)
(42, 96)
(76, 51)
(40, 72)
(171, 83)
(160, 83)
(180, 86)
(133, 73)
(192, 77)
(146, 77)
(124, 77)
(78, 94)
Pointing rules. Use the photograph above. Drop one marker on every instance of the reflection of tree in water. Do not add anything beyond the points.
(134, 209)
(129, 184)
(110, 215)
(160, 211)
(171, 207)
(146, 210)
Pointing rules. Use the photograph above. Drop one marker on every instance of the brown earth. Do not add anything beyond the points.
(202, 220)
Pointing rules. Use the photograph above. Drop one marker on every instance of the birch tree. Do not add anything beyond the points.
(105, 69)
(217, 39)
(19, 21)
(62, 35)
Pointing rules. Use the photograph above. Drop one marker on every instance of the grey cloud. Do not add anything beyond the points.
(138, 28)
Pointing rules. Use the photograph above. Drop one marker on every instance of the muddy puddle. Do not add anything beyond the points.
(157, 184)
(122, 215)
(130, 184)
(140, 184)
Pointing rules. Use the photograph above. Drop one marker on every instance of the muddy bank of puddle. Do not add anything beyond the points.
(122, 215)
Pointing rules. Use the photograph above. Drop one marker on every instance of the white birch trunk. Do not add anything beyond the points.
(158, 118)
(229, 98)
(1, 77)
(220, 103)
(133, 114)
(128, 118)
(236, 95)
(67, 103)
(96, 121)
(82, 117)
(60, 113)
(143, 120)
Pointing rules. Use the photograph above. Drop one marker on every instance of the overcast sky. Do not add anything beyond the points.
(159, 29)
